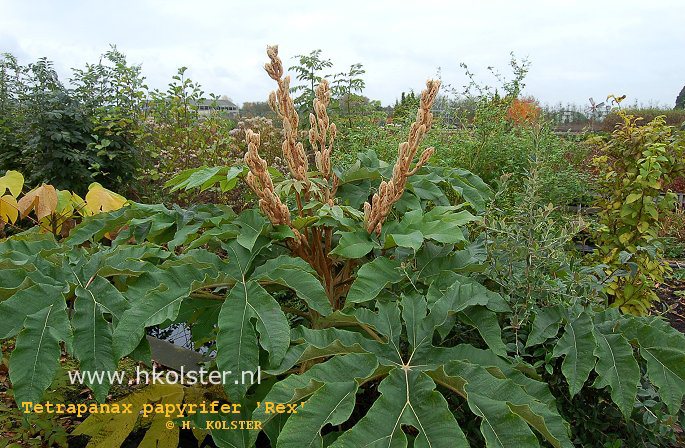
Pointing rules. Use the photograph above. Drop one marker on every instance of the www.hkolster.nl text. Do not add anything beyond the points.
(189, 378)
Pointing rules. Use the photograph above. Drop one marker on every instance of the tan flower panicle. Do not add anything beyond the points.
(259, 180)
(282, 104)
(322, 132)
(391, 191)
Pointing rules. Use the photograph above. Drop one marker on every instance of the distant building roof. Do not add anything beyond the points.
(223, 103)
(205, 105)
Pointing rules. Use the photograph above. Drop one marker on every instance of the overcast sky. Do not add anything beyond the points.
(576, 49)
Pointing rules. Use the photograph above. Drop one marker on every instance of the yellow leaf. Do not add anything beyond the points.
(158, 434)
(625, 237)
(12, 181)
(632, 197)
(100, 199)
(8, 210)
(42, 199)
(200, 435)
(642, 226)
(109, 430)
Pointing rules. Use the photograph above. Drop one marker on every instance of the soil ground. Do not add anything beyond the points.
(672, 295)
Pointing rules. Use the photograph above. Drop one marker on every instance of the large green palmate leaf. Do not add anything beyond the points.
(95, 227)
(252, 224)
(470, 187)
(155, 224)
(157, 296)
(70, 274)
(205, 177)
(28, 243)
(612, 339)
(408, 397)
(24, 303)
(508, 408)
(485, 321)
(546, 325)
(35, 358)
(93, 333)
(237, 339)
(176, 227)
(331, 404)
(472, 303)
(663, 348)
(461, 294)
(248, 301)
(442, 224)
(510, 405)
(434, 261)
(429, 185)
(426, 187)
(329, 389)
(461, 291)
(372, 278)
(296, 274)
(617, 368)
(577, 345)
(328, 344)
(354, 244)
(13, 280)
(412, 240)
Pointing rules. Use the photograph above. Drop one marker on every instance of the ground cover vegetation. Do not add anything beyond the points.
(403, 277)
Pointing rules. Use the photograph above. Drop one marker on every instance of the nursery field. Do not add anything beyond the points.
(320, 271)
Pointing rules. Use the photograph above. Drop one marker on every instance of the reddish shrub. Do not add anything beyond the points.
(523, 111)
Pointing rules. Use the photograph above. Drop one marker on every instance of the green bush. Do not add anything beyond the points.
(636, 165)
(672, 117)
(532, 263)
(531, 252)
(54, 135)
(508, 150)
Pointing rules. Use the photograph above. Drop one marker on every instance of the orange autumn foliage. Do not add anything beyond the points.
(523, 111)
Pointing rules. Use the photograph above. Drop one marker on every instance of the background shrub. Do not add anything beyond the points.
(672, 117)
(68, 137)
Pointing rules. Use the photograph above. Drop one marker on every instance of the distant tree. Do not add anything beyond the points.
(680, 100)
(403, 110)
(257, 109)
(345, 85)
(12, 87)
(309, 72)
(112, 93)
(47, 133)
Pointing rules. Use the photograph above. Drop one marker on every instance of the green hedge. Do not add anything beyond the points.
(674, 117)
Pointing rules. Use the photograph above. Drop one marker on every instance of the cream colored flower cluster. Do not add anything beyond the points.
(282, 104)
(391, 191)
(322, 132)
(259, 180)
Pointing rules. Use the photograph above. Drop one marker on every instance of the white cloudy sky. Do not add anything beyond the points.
(577, 49)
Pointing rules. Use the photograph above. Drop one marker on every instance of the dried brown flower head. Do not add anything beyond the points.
(322, 132)
(259, 180)
(282, 104)
(391, 191)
